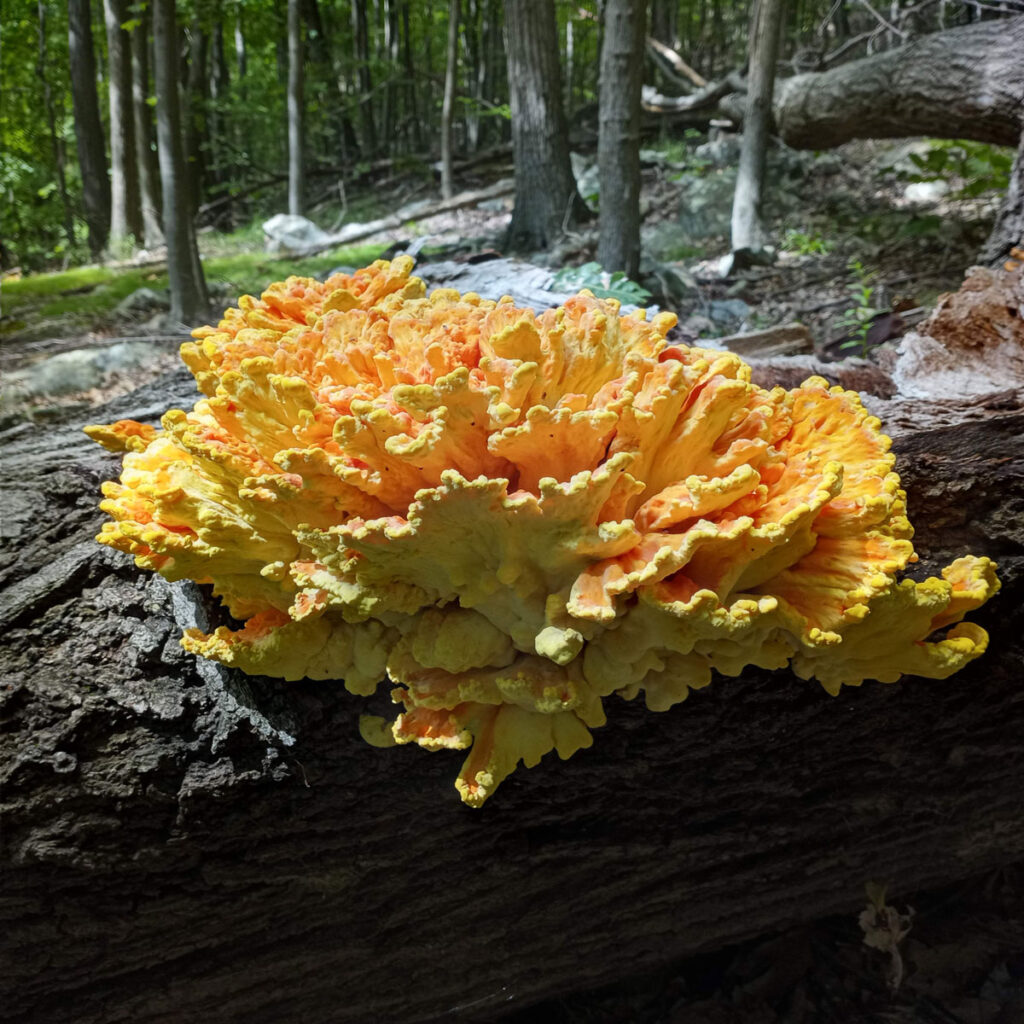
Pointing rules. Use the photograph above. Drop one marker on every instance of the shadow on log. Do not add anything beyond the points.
(183, 843)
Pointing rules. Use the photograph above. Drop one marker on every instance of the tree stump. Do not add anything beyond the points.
(184, 843)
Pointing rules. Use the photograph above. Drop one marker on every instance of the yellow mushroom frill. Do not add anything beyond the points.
(513, 516)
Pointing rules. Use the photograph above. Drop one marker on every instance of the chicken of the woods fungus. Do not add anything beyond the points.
(513, 516)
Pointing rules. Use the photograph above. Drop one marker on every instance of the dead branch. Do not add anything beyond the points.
(356, 232)
(680, 70)
(709, 96)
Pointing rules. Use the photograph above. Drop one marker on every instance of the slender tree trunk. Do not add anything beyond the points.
(747, 232)
(124, 192)
(296, 163)
(448, 104)
(189, 300)
(361, 40)
(547, 201)
(321, 53)
(411, 91)
(56, 142)
(196, 140)
(389, 117)
(473, 65)
(220, 170)
(92, 159)
(618, 143)
(145, 152)
(240, 54)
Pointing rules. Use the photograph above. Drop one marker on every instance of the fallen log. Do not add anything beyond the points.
(419, 211)
(183, 843)
(964, 83)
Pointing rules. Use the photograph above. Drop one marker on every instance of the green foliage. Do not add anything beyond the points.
(87, 295)
(804, 243)
(979, 167)
(858, 317)
(603, 284)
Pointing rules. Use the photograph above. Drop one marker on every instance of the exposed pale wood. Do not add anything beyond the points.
(675, 62)
(783, 339)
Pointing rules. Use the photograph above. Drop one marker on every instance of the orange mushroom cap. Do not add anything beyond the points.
(514, 516)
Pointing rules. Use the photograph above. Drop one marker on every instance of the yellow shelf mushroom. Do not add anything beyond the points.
(514, 516)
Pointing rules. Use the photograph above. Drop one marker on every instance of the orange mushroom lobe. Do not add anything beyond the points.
(514, 516)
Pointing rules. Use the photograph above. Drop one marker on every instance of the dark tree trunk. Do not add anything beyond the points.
(194, 115)
(547, 201)
(56, 140)
(296, 112)
(125, 216)
(189, 300)
(965, 83)
(618, 143)
(747, 233)
(1008, 229)
(183, 843)
(448, 103)
(92, 158)
(145, 152)
(411, 90)
(361, 41)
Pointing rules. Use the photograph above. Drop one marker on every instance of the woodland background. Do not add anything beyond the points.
(184, 843)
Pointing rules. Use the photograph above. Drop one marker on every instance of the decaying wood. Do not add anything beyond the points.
(781, 340)
(183, 843)
(964, 83)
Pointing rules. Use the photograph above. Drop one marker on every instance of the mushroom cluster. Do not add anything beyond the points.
(513, 516)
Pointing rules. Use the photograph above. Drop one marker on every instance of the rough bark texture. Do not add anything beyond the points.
(189, 301)
(451, 60)
(92, 158)
(618, 140)
(1008, 229)
(186, 844)
(547, 201)
(764, 47)
(966, 83)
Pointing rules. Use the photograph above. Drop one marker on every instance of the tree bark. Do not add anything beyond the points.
(92, 160)
(547, 201)
(183, 843)
(145, 153)
(189, 300)
(618, 140)
(296, 113)
(125, 218)
(1008, 230)
(747, 232)
(448, 104)
(965, 83)
(194, 114)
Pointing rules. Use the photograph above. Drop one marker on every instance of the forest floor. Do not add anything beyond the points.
(864, 248)
(865, 244)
